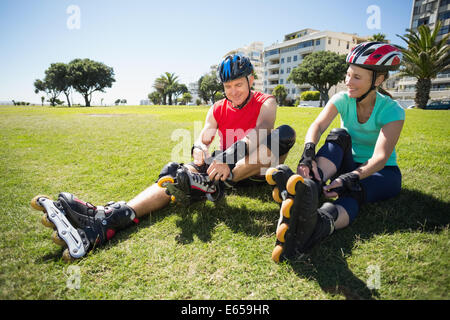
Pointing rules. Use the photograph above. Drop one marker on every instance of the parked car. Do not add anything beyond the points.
(438, 105)
(435, 105)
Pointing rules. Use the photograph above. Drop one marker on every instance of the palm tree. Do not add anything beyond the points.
(424, 58)
(381, 37)
(167, 84)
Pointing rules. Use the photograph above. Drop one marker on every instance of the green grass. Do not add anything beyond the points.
(209, 251)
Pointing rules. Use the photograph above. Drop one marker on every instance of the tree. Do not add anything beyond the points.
(58, 77)
(280, 93)
(322, 69)
(381, 37)
(208, 86)
(424, 58)
(47, 87)
(179, 89)
(155, 97)
(187, 97)
(167, 85)
(89, 76)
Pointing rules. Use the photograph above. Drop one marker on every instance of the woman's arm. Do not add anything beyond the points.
(387, 139)
(315, 131)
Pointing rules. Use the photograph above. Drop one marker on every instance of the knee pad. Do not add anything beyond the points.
(284, 136)
(329, 210)
(170, 169)
(340, 137)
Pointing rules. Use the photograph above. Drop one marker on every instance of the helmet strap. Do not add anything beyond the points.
(372, 87)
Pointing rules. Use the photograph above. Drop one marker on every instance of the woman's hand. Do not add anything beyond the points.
(305, 172)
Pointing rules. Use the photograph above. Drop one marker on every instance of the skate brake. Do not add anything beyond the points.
(65, 230)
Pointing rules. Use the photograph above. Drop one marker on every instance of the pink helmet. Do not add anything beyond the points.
(378, 56)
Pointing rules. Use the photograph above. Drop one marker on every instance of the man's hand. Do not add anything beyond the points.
(218, 171)
(199, 156)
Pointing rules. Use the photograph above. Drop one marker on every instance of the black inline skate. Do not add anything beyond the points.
(82, 226)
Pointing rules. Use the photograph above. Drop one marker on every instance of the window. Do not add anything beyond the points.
(423, 21)
(288, 70)
(281, 81)
(443, 16)
(430, 6)
(271, 52)
(318, 42)
(295, 58)
(329, 40)
(289, 59)
(282, 60)
(281, 71)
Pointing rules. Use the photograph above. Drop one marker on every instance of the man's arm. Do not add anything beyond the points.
(264, 124)
(201, 145)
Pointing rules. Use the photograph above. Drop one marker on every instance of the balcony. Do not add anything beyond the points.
(273, 66)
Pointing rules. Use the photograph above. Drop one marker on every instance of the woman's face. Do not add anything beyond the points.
(358, 81)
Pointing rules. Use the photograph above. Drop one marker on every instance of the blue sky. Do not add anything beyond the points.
(143, 39)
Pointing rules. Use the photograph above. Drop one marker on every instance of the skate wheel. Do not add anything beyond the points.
(164, 181)
(286, 207)
(57, 240)
(281, 231)
(292, 183)
(276, 195)
(46, 222)
(67, 257)
(35, 205)
(276, 253)
(269, 176)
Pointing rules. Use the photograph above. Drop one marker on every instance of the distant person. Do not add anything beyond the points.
(359, 158)
(244, 120)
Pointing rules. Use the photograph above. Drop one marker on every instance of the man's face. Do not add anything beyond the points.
(237, 90)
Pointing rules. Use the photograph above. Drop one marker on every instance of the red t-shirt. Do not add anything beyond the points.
(234, 124)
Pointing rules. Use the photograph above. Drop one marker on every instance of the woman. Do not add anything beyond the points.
(359, 158)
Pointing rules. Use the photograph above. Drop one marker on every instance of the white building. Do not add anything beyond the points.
(280, 59)
(254, 52)
(426, 12)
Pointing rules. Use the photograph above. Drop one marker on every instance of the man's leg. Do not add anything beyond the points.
(151, 199)
(271, 152)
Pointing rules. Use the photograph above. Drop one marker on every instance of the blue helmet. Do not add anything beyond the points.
(234, 67)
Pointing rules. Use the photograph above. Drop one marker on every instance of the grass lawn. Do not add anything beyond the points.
(399, 248)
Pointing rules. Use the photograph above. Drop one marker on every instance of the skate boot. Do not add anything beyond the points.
(279, 177)
(302, 224)
(189, 187)
(81, 226)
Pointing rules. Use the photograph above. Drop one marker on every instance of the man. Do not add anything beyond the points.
(244, 121)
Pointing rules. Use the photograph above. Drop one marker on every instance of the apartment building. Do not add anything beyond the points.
(426, 12)
(254, 52)
(280, 59)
